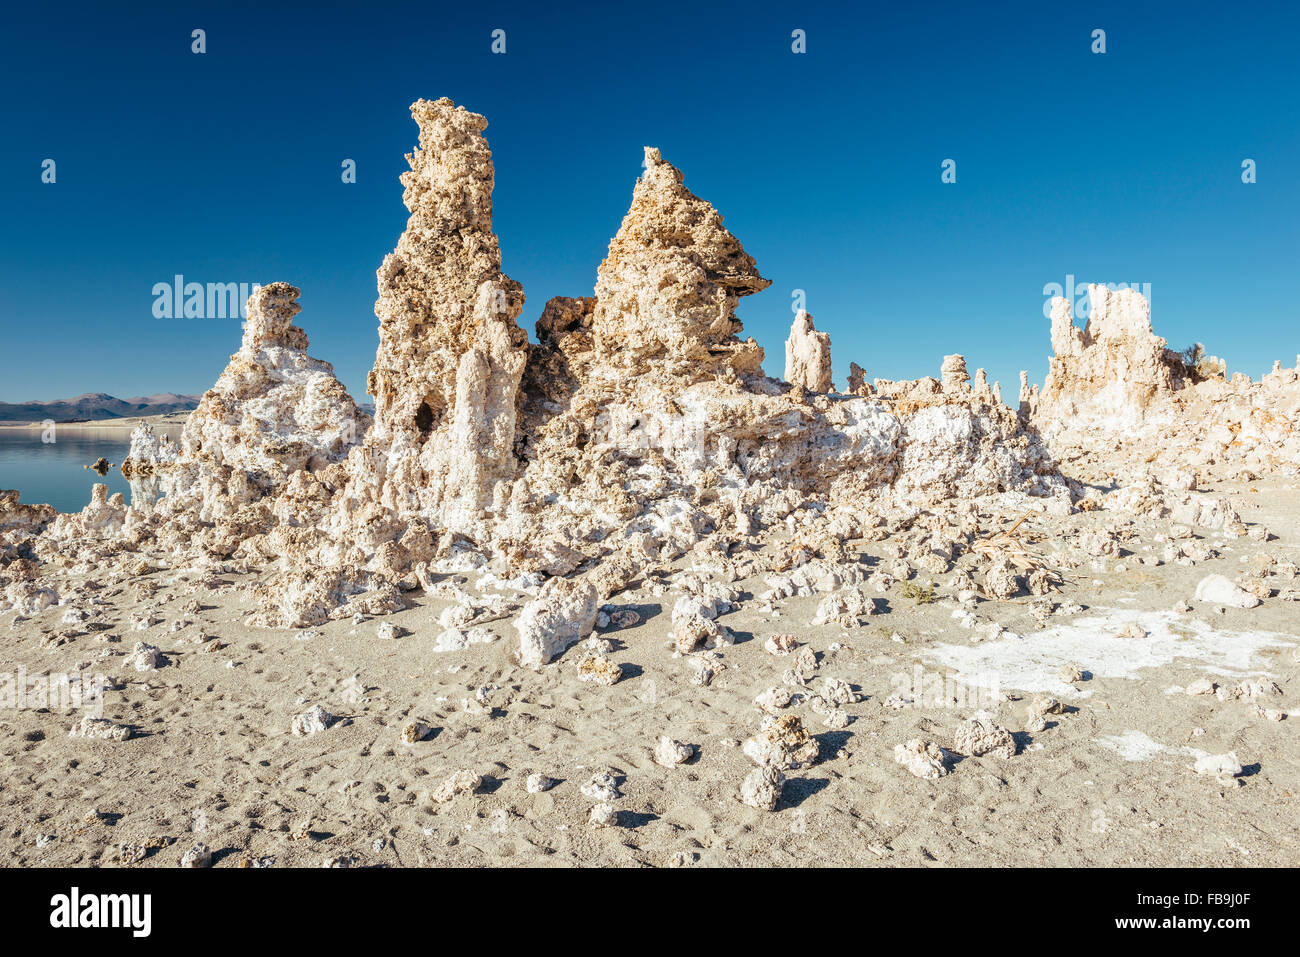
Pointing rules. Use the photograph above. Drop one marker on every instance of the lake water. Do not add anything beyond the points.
(52, 472)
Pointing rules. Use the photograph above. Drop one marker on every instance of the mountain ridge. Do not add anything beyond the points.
(97, 406)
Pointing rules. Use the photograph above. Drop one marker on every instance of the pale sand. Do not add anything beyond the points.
(1107, 784)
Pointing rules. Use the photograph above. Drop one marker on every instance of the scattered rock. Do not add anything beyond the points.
(1070, 674)
(838, 691)
(670, 753)
(315, 719)
(761, 788)
(197, 856)
(922, 758)
(782, 743)
(144, 657)
(1225, 767)
(537, 783)
(981, 736)
(599, 669)
(1219, 590)
(780, 644)
(461, 782)
(414, 732)
(1044, 705)
(101, 728)
(773, 700)
(563, 613)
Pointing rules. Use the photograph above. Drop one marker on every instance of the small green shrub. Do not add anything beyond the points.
(921, 594)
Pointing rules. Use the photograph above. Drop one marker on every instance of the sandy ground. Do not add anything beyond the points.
(1108, 783)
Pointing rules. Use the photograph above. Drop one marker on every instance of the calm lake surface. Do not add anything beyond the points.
(52, 472)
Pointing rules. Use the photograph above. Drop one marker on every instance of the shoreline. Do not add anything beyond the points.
(127, 424)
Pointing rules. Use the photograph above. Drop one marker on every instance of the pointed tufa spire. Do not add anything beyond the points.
(443, 283)
(1027, 406)
(273, 414)
(669, 286)
(858, 384)
(446, 374)
(270, 318)
(953, 373)
(808, 355)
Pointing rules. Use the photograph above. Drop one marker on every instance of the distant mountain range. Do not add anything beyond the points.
(95, 406)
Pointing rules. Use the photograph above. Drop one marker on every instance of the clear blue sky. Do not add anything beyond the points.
(225, 167)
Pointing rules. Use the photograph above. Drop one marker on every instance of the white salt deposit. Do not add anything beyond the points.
(1031, 663)
(1132, 745)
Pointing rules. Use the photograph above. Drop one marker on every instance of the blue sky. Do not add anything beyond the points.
(225, 167)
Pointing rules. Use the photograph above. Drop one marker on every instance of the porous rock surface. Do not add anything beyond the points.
(638, 427)
(808, 355)
(275, 418)
(1116, 397)
(19, 524)
(510, 488)
(446, 374)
